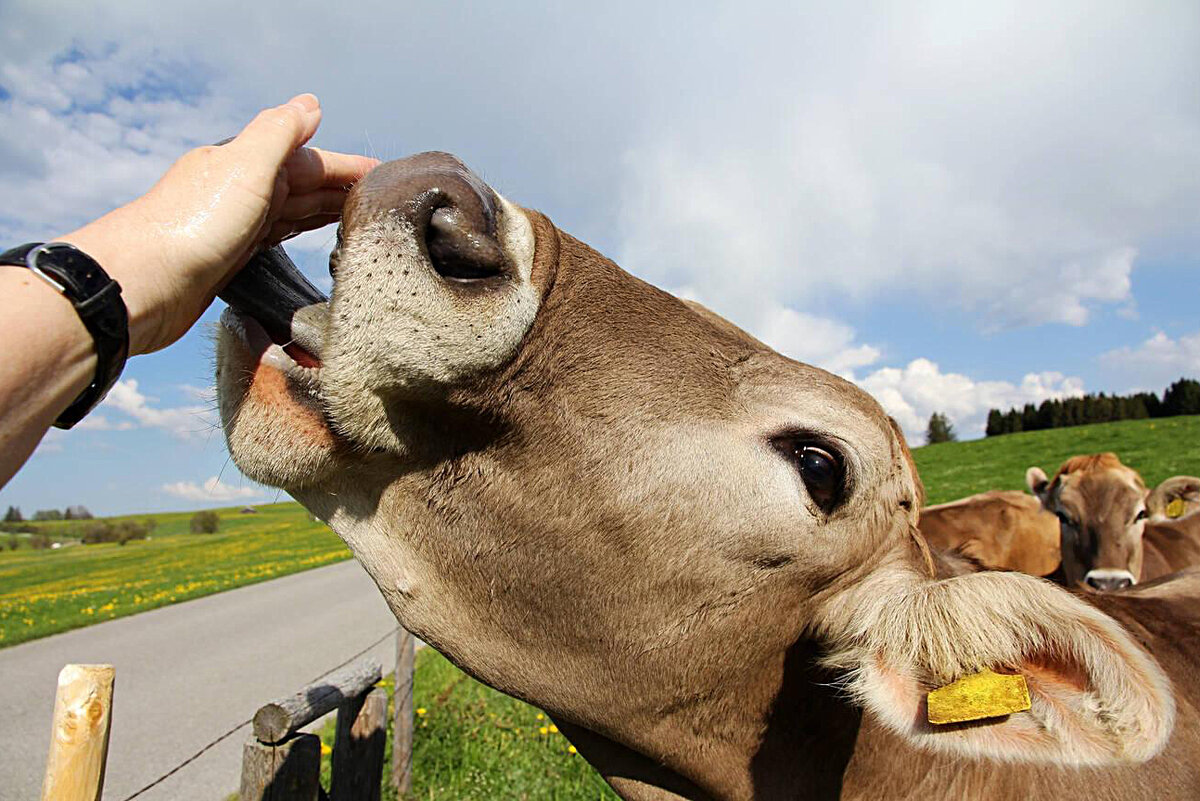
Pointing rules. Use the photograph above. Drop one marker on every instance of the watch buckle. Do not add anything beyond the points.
(31, 263)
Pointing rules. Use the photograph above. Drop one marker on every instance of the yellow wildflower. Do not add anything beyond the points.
(571, 749)
(540, 716)
(543, 730)
(553, 729)
(421, 710)
(325, 750)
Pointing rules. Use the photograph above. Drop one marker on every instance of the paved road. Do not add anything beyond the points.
(188, 672)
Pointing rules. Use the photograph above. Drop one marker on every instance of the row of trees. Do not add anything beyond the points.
(13, 515)
(1182, 397)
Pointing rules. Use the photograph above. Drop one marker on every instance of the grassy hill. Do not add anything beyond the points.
(48, 591)
(1158, 449)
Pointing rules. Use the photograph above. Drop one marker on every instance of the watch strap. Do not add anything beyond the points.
(97, 300)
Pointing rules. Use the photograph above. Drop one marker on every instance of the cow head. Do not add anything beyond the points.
(1102, 509)
(619, 506)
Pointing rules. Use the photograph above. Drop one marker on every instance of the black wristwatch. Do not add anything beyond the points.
(97, 300)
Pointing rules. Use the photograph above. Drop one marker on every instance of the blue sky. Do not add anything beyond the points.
(957, 207)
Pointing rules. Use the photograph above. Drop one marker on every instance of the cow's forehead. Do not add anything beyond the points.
(810, 398)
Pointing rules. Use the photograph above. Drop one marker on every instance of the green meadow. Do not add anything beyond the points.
(47, 591)
(476, 744)
(1158, 449)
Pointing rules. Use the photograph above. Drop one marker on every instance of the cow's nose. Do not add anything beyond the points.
(452, 213)
(1107, 579)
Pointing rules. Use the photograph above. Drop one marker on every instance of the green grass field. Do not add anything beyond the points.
(1158, 449)
(476, 744)
(45, 592)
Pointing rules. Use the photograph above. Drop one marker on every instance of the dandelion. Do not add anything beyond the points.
(543, 730)
(421, 710)
(325, 750)
(571, 750)
(540, 716)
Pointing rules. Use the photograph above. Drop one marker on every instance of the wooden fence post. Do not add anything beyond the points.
(402, 727)
(358, 749)
(287, 771)
(79, 736)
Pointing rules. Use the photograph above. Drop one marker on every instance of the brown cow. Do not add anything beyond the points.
(697, 555)
(1102, 508)
(1001, 529)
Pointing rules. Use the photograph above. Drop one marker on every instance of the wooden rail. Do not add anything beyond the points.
(279, 762)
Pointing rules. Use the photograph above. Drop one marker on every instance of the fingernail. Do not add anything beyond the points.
(307, 103)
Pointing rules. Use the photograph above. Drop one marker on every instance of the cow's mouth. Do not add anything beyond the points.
(269, 373)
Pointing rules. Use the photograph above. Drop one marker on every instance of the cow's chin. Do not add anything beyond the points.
(270, 408)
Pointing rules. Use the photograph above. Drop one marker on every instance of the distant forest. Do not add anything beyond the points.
(1182, 397)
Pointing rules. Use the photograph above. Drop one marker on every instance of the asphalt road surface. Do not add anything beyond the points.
(188, 673)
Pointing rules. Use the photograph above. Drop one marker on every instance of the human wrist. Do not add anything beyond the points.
(124, 262)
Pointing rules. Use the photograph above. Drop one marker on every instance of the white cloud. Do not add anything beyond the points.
(98, 422)
(212, 490)
(912, 393)
(819, 341)
(181, 421)
(81, 136)
(1156, 362)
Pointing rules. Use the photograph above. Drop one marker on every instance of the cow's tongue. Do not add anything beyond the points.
(271, 290)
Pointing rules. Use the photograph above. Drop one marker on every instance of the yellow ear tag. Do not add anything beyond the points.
(980, 695)
(1175, 508)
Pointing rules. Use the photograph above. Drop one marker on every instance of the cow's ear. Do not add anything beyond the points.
(1095, 697)
(1173, 498)
(1035, 479)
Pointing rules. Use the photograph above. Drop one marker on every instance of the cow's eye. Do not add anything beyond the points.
(820, 469)
(1065, 519)
(1141, 515)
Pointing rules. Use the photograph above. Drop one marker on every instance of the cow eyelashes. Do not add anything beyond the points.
(820, 468)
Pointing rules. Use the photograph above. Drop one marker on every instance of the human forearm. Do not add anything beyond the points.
(51, 361)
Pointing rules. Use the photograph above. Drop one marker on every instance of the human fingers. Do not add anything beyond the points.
(320, 201)
(312, 168)
(286, 229)
(272, 136)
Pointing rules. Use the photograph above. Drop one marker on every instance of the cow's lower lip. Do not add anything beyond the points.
(289, 358)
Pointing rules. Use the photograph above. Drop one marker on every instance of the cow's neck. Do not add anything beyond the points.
(805, 740)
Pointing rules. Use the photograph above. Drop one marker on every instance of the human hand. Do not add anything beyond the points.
(176, 246)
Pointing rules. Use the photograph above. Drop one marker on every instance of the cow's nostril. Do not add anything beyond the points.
(459, 252)
(1107, 583)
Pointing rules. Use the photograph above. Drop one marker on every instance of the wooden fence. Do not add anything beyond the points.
(278, 761)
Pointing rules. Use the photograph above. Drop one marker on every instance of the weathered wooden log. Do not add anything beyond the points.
(287, 771)
(402, 703)
(79, 735)
(358, 748)
(279, 719)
